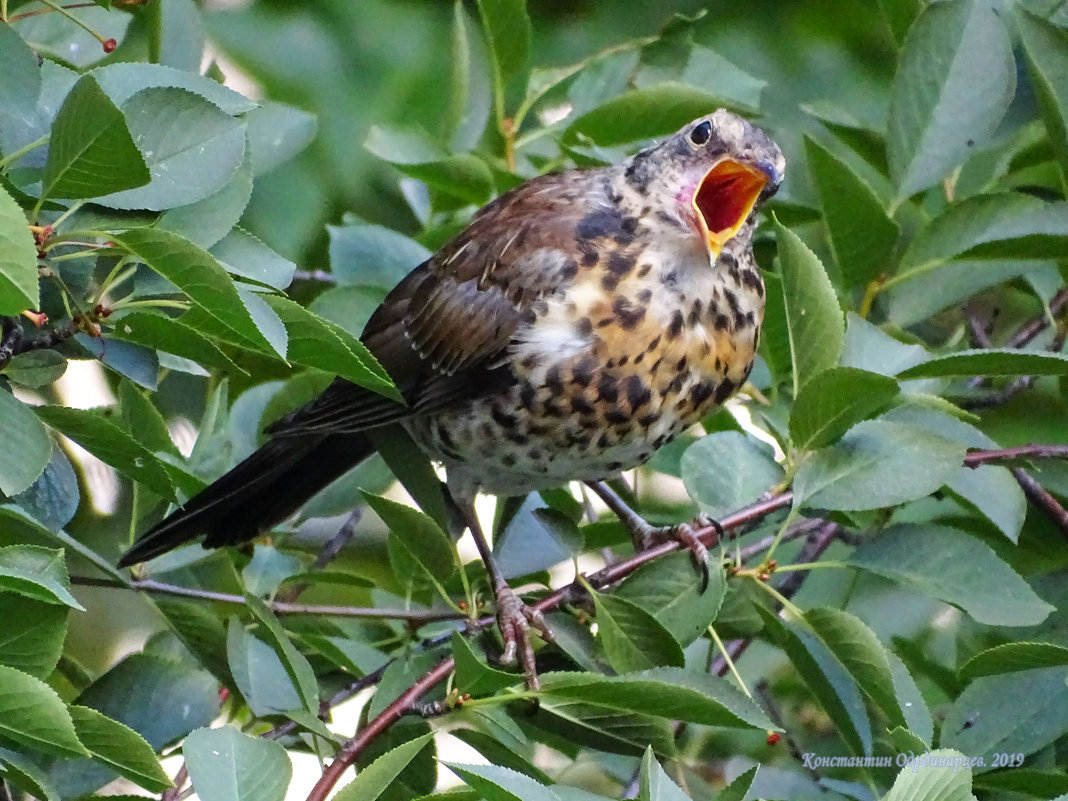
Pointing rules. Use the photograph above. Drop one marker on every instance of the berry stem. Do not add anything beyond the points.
(107, 44)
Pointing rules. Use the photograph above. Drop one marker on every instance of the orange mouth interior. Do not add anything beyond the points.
(724, 199)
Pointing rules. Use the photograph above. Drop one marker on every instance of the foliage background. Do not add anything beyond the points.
(926, 172)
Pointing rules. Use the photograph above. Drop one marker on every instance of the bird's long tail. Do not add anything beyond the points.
(264, 489)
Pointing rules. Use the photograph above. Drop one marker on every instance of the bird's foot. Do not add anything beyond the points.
(646, 536)
(515, 619)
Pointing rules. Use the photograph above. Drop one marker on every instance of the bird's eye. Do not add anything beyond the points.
(701, 133)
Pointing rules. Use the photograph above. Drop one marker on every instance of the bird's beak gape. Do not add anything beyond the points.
(724, 199)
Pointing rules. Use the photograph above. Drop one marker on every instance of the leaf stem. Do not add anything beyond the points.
(727, 659)
(22, 151)
(63, 10)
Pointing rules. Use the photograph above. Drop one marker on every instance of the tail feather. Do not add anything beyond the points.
(267, 487)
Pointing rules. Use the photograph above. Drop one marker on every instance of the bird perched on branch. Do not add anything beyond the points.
(581, 321)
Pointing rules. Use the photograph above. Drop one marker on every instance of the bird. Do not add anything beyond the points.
(581, 321)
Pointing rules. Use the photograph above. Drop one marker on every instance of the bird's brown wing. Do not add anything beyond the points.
(439, 331)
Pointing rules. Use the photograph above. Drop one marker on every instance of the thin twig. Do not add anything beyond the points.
(314, 275)
(1041, 497)
(1040, 322)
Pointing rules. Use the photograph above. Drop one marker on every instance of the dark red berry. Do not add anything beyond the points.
(773, 738)
(110, 45)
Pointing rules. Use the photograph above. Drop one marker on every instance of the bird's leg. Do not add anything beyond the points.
(514, 618)
(644, 535)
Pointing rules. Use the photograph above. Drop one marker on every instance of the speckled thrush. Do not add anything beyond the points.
(581, 321)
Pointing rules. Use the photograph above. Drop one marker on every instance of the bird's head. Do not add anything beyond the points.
(710, 175)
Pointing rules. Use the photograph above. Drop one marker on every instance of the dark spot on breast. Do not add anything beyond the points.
(654, 344)
(627, 314)
(609, 281)
(600, 223)
(676, 383)
(695, 313)
(613, 466)
(535, 454)
(579, 405)
(582, 372)
(639, 358)
(508, 460)
(637, 393)
(675, 326)
(620, 263)
(656, 365)
(528, 316)
(645, 295)
(602, 441)
(554, 381)
(607, 389)
(752, 280)
(722, 322)
(446, 441)
(647, 420)
(527, 395)
(726, 258)
(616, 417)
(584, 327)
(517, 437)
(624, 359)
(644, 271)
(701, 392)
(589, 255)
(503, 418)
(724, 390)
(552, 409)
(569, 270)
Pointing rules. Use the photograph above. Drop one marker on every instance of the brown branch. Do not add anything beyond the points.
(976, 458)
(1041, 497)
(1040, 322)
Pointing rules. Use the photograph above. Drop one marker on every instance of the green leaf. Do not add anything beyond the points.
(864, 140)
(954, 82)
(1013, 713)
(472, 675)
(604, 728)
(296, 664)
(654, 784)
(861, 234)
(989, 362)
(377, 777)
(21, 772)
(996, 494)
(139, 364)
(35, 368)
(24, 435)
(315, 342)
(18, 259)
(508, 34)
(995, 227)
(33, 715)
(91, 151)
(495, 783)
(876, 464)
(418, 534)
(110, 444)
(226, 765)
(171, 336)
(813, 318)
(259, 673)
(125, 79)
(826, 678)
(942, 562)
(31, 639)
(912, 703)
(834, 401)
(277, 133)
(38, 573)
(726, 470)
(1045, 47)
(120, 748)
(191, 146)
(140, 690)
(371, 255)
(633, 639)
(207, 221)
(738, 789)
(1011, 657)
(144, 421)
(243, 254)
(197, 273)
(670, 589)
(861, 653)
(536, 538)
(939, 775)
(667, 692)
(642, 114)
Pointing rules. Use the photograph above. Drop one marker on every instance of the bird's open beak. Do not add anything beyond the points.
(724, 199)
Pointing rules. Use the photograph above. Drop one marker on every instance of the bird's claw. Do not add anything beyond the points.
(685, 534)
(515, 618)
